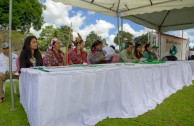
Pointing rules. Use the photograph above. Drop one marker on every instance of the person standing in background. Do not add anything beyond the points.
(125, 40)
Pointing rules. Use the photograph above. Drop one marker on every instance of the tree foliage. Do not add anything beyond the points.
(127, 35)
(17, 40)
(104, 42)
(91, 38)
(142, 39)
(26, 13)
(63, 33)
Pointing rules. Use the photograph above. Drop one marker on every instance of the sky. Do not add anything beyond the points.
(84, 21)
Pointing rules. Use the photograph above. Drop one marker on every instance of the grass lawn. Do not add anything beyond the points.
(177, 110)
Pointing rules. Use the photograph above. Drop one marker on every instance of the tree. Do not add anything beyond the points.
(104, 42)
(17, 40)
(26, 13)
(91, 38)
(45, 36)
(142, 39)
(49, 32)
(65, 35)
(125, 35)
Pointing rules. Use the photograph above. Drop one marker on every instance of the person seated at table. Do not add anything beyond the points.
(97, 55)
(137, 52)
(127, 55)
(115, 58)
(154, 51)
(147, 53)
(54, 56)
(4, 67)
(77, 55)
(30, 56)
(109, 53)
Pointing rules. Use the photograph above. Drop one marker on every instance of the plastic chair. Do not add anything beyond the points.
(18, 64)
(88, 61)
(14, 80)
(14, 84)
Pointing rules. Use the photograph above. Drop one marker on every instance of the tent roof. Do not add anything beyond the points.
(128, 7)
(139, 11)
(176, 19)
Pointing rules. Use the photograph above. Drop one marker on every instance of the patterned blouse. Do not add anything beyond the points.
(54, 59)
(77, 57)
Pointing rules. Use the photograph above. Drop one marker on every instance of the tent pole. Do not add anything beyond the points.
(159, 40)
(121, 30)
(182, 47)
(118, 35)
(10, 54)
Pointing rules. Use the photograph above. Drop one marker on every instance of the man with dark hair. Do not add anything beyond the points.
(126, 55)
(112, 46)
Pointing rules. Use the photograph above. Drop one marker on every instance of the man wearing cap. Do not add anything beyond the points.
(4, 67)
(125, 40)
(154, 49)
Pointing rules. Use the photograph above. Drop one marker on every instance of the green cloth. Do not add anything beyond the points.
(126, 57)
(161, 62)
(149, 57)
(41, 69)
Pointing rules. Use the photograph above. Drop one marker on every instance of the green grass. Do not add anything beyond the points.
(9, 117)
(176, 110)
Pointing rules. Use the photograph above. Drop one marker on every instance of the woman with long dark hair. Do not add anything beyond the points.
(147, 53)
(30, 55)
(137, 51)
(54, 56)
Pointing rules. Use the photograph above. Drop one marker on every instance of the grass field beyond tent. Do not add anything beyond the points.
(177, 110)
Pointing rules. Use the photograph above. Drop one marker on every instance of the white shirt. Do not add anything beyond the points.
(109, 52)
(4, 63)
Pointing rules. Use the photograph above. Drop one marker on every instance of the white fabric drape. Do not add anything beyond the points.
(81, 97)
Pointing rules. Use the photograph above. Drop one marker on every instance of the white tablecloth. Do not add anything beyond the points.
(84, 96)
(191, 62)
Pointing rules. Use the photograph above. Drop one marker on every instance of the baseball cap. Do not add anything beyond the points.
(154, 46)
(125, 39)
(5, 45)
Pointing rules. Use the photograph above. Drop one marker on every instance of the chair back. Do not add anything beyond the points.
(18, 64)
(88, 61)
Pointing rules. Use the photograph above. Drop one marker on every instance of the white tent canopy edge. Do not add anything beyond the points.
(128, 7)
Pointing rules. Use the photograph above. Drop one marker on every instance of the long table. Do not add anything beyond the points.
(85, 95)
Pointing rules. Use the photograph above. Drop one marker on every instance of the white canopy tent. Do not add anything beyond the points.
(176, 19)
(128, 7)
(161, 15)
